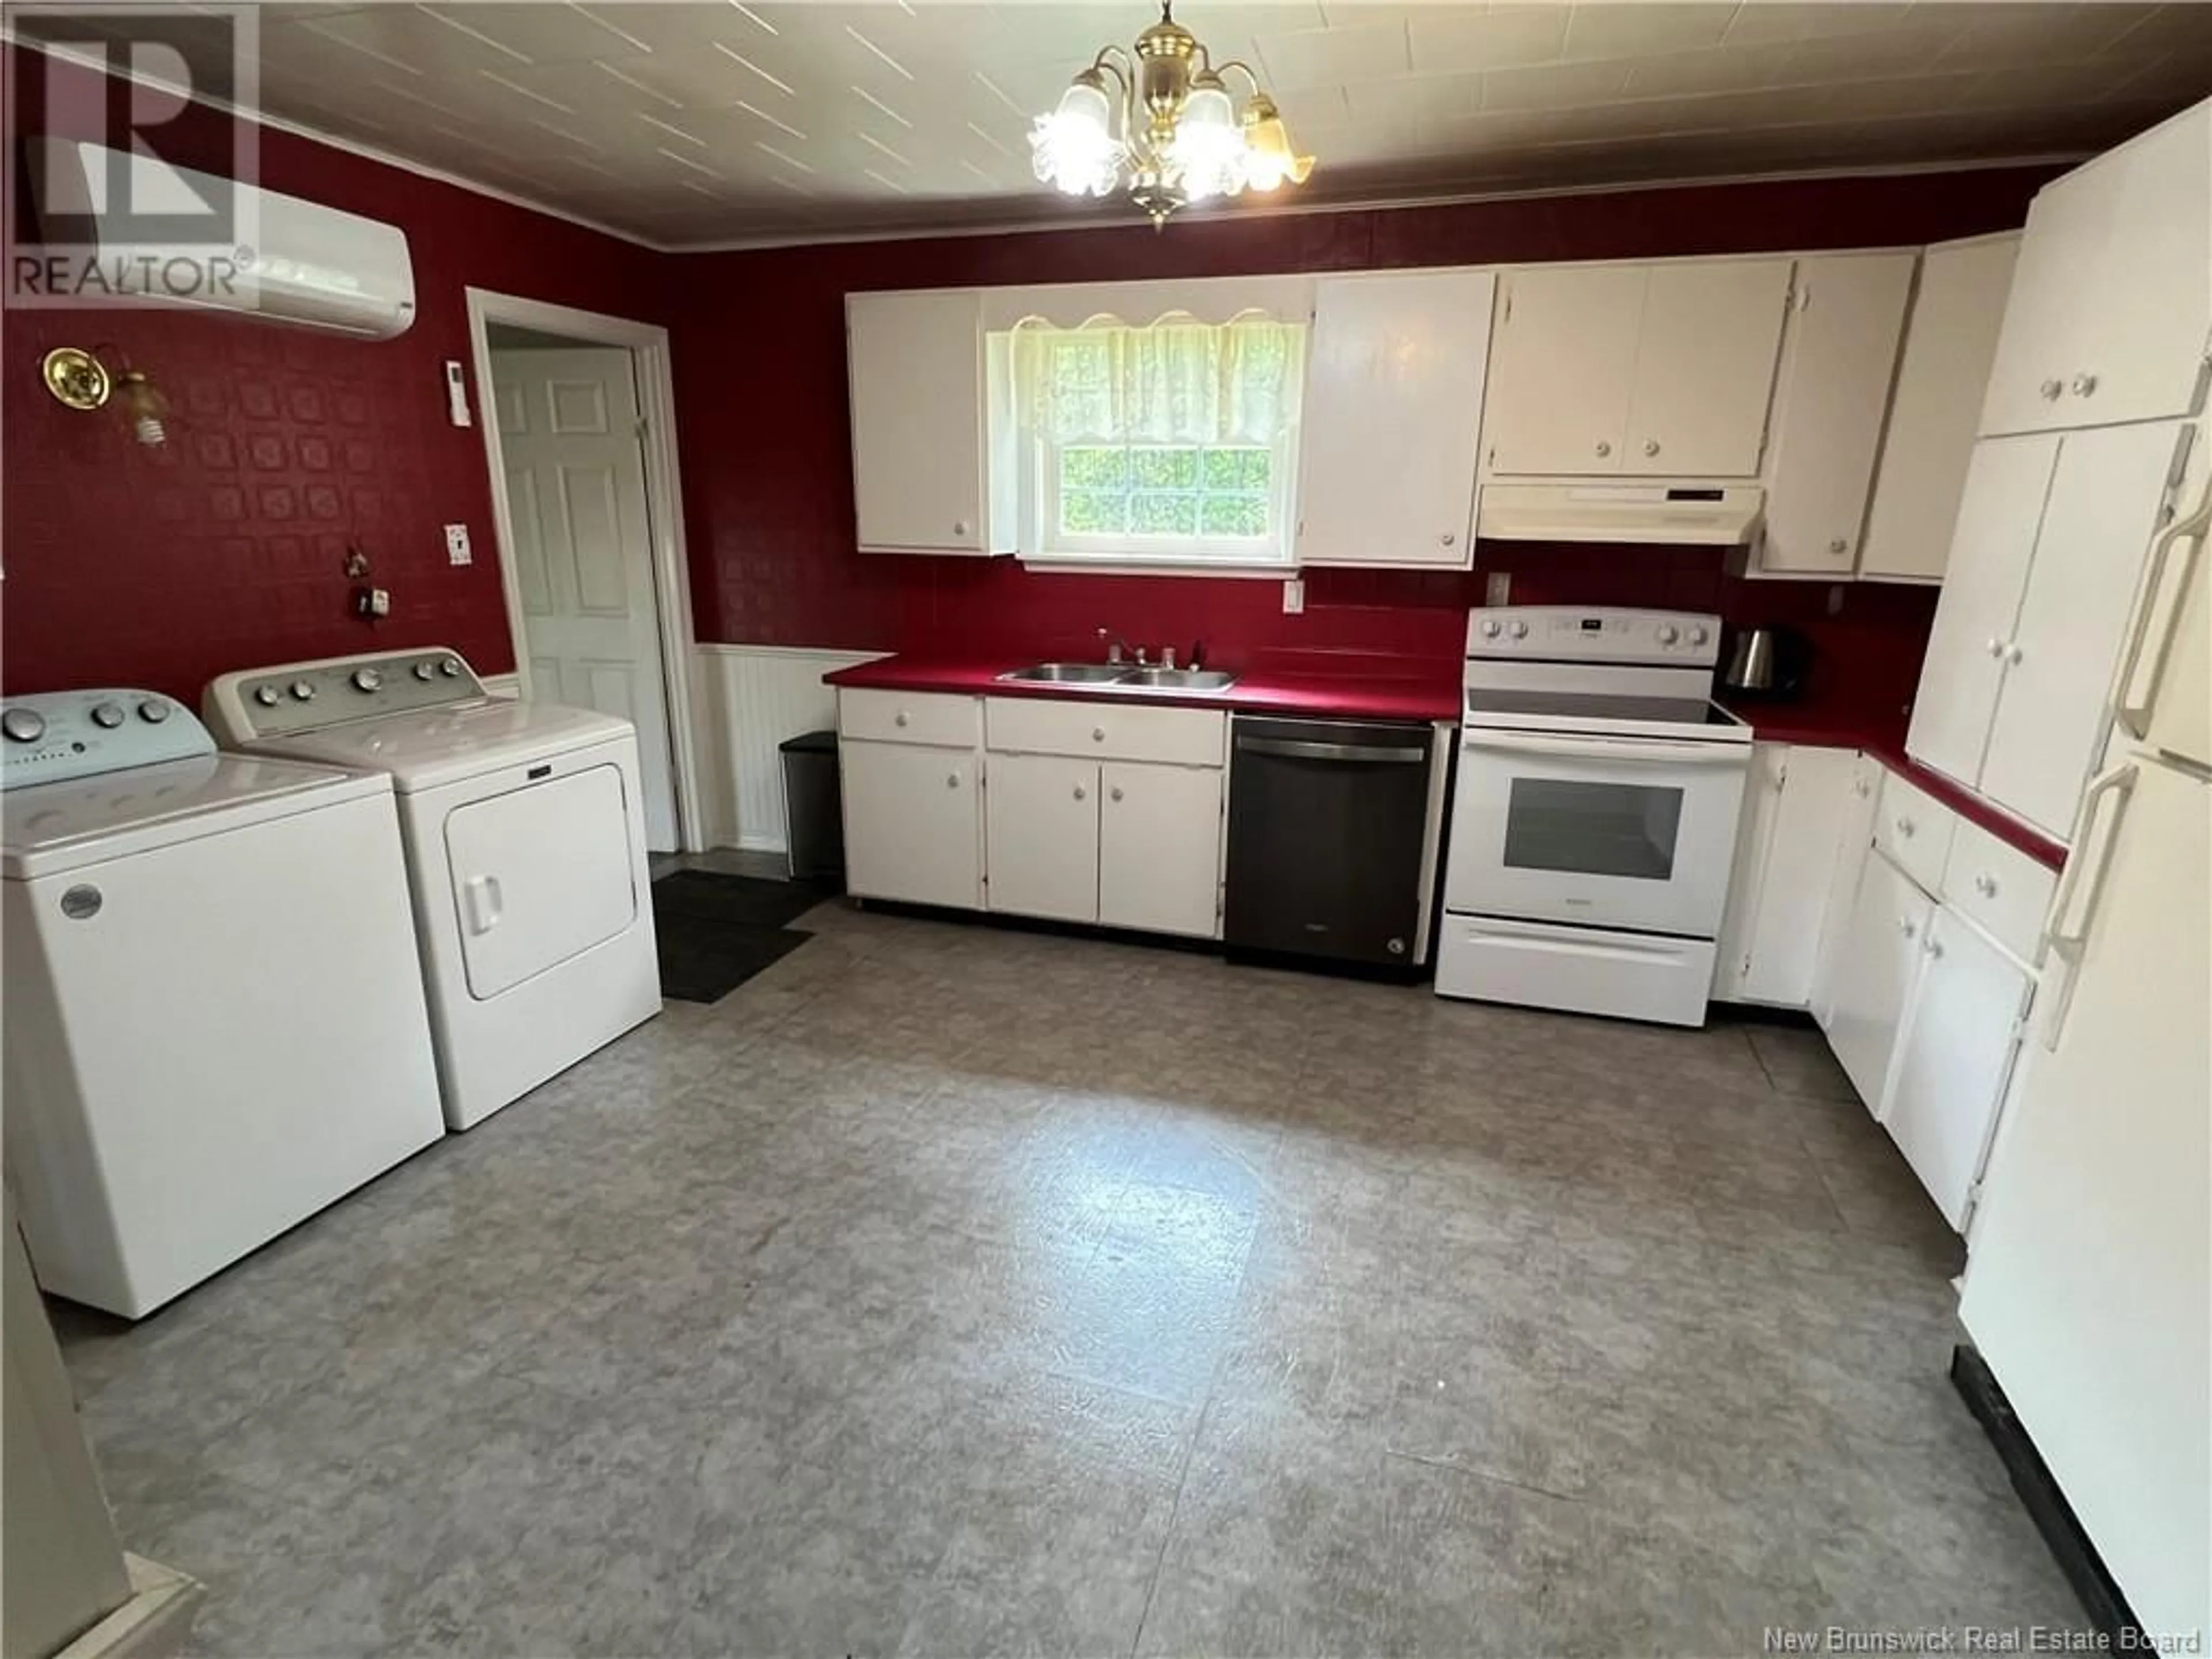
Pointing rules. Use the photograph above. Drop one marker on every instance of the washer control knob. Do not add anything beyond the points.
(1518, 629)
(366, 679)
(1699, 636)
(426, 669)
(23, 724)
(303, 690)
(266, 695)
(1492, 628)
(450, 667)
(107, 715)
(153, 711)
(1668, 632)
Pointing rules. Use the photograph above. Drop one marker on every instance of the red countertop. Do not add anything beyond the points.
(1332, 684)
(1881, 734)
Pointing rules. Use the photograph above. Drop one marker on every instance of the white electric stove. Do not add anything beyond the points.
(1594, 822)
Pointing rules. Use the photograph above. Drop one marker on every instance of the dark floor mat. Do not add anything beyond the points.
(716, 931)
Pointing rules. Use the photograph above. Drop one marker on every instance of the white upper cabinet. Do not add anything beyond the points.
(1705, 367)
(1950, 340)
(1641, 371)
(927, 395)
(1563, 367)
(1393, 418)
(2110, 315)
(1830, 399)
(1999, 513)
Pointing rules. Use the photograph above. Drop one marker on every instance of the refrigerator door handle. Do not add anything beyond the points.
(2153, 632)
(2066, 942)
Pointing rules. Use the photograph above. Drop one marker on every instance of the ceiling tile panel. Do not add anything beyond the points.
(1453, 39)
(1634, 31)
(1333, 57)
(1555, 85)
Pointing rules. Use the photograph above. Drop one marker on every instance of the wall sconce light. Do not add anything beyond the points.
(80, 380)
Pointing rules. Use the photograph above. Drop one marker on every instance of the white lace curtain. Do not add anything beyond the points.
(1174, 382)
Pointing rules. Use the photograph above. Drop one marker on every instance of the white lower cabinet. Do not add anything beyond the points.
(1041, 836)
(1854, 845)
(1875, 970)
(913, 823)
(1961, 1030)
(1159, 849)
(1785, 866)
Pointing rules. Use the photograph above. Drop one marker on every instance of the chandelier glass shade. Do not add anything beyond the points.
(1158, 122)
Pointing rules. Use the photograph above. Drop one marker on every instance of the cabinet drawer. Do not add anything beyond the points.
(1998, 886)
(1031, 726)
(909, 717)
(1914, 828)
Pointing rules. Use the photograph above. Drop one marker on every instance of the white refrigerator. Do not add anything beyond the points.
(2089, 1290)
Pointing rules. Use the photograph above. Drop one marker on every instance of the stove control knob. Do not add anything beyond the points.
(23, 724)
(153, 711)
(1492, 628)
(266, 695)
(303, 690)
(1519, 630)
(450, 667)
(366, 679)
(1668, 633)
(1697, 637)
(426, 669)
(107, 715)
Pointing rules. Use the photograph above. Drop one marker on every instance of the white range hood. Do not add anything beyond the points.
(1703, 515)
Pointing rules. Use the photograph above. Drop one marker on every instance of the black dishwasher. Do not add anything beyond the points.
(1327, 824)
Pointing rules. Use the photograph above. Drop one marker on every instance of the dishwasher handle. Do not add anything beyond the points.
(1307, 749)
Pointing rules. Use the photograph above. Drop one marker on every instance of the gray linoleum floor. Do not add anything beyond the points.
(950, 1290)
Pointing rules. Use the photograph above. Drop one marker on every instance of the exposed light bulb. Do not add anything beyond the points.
(1209, 149)
(1073, 149)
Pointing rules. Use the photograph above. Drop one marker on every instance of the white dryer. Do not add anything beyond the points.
(525, 845)
(215, 1022)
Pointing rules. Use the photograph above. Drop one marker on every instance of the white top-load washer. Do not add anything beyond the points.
(214, 1021)
(526, 843)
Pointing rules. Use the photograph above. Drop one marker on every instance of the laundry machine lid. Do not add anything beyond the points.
(51, 827)
(432, 747)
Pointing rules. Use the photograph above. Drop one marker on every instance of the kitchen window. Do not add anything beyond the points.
(1171, 445)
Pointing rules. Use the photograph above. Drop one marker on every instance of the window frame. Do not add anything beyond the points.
(1043, 544)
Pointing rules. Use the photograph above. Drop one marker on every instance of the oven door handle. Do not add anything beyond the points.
(1306, 749)
(1636, 750)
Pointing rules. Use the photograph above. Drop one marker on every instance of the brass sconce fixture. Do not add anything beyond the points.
(80, 380)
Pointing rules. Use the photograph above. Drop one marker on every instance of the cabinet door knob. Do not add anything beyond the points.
(1986, 885)
(1604, 448)
(2050, 389)
(952, 780)
(2084, 385)
(1115, 792)
(960, 526)
(1097, 734)
(1862, 788)
(2013, 652)
(1905, 927)
(1933, 946)
(1447, 538)
(899, 719)
(1837, 545)
(1996, 648)
(1651, 445)
(1905, 827)
(1078, 791)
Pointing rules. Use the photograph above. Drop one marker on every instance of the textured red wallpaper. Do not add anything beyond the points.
(768, 472)
(223, 549)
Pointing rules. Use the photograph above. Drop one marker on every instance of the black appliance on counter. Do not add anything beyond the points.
(1331, 828)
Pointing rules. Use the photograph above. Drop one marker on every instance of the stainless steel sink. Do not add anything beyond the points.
(1122, 676)
(1178, 679)
(1068, 673)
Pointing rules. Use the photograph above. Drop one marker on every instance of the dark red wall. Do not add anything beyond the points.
(767, 467)
(223, 549)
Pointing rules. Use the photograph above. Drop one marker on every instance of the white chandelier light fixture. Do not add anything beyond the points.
(1160, 124)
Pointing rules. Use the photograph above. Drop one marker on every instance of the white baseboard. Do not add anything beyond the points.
(503, 685)
(750, 699)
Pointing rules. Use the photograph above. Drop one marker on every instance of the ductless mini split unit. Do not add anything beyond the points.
(128, 225)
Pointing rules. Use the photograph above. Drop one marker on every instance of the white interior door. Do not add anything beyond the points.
(569, 436)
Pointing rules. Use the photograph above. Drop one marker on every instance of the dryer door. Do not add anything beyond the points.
(540, 874)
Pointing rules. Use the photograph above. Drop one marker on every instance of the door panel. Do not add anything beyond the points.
(2093, 1240)
(2098, 523)
(2006, 484)
(913, 362)
(1705, 367)
(583, 546)
(1880, 956)
(540, 874)
(1159, 848)
(1785, 935)
(1394, 390)
(912, 823)
(1041, 814)
(1562, 367)
(1854, 841)
(1953, 1060)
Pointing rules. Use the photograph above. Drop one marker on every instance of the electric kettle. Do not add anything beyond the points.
(1769, 661)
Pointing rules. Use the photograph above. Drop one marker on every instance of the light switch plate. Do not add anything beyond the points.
(456, 393)
(456, 544)
(1294, 596)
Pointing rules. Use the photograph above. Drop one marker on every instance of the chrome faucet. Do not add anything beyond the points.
(1118, 650)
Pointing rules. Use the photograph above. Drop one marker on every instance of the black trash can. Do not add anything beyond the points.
(812, 811)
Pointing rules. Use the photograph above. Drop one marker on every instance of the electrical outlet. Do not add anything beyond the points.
(1499, 588)
(456, 544)
(372, 602)
(1294, 598)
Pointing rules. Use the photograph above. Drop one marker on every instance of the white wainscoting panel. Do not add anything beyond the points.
(751, 698)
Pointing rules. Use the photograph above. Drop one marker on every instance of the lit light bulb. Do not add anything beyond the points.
(1073, 149)
(1270, 158)
(1208, 149)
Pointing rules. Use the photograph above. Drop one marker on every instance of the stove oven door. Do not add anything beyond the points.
(1615, 832)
